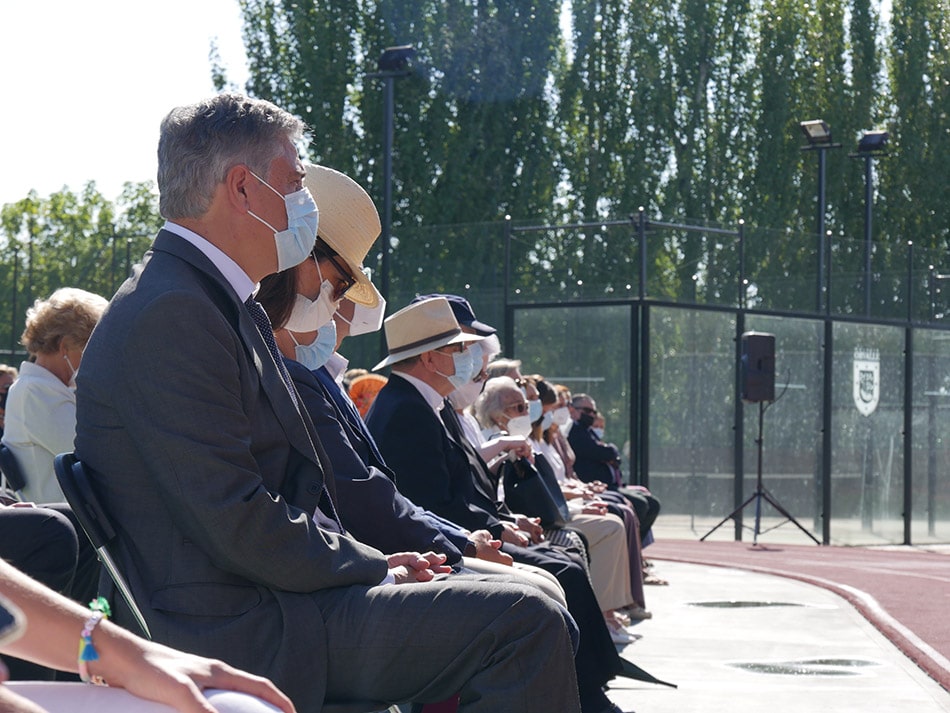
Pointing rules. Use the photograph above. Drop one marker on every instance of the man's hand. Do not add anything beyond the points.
(595, 508)
(414, 567)
(488, 548)
(531, 526)
(513, 536)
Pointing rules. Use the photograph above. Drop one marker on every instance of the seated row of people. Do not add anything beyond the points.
(231, 528)
(259, 519)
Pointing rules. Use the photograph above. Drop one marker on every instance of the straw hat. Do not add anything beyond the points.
(349, 223)
(421, 327)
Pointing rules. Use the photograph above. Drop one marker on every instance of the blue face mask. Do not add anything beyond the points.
(295, 243)
(464, 368)
(318, 353)
(534, 410)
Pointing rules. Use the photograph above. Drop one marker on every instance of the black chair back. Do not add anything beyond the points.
(82, 499)
(11, 470)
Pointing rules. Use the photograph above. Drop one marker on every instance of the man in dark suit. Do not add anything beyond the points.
(219, 486)
(597, 460)
(420, 438)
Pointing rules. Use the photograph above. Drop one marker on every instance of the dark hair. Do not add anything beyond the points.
(278, 292)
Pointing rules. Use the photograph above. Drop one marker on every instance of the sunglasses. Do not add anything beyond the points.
(344, 282)
(587, 409)
(521, 407)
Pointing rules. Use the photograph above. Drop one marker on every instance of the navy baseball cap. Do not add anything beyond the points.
(463, 311)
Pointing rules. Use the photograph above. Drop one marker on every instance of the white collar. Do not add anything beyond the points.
(432, 397)
(236, 277)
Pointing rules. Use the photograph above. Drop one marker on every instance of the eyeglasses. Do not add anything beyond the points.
(521, 407)
(343, 283)
(587, 409)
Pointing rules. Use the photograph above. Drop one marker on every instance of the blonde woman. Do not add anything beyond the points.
(40, 418)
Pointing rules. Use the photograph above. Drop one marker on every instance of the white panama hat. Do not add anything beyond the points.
(421, 327)
(349, 224)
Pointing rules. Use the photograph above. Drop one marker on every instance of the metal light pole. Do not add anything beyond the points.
(818, 134)
(870, 145)
(392, 64)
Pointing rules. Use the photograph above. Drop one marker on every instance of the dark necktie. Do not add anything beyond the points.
(263, 326)
(329, 521)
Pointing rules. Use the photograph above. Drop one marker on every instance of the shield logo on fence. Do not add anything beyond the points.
(867, 380)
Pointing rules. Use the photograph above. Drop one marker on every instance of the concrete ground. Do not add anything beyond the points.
(740, 642)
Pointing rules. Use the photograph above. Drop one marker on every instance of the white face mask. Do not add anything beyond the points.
(547, 420)
(561, 416)
(318, 352)
(519, 426)
(303, 217)
(310, 315)
(465, 395)
(72, 372)
(366, 319)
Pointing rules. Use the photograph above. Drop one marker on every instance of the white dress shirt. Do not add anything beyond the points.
(40, 423)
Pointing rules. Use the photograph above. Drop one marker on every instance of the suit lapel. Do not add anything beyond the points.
(295, 424)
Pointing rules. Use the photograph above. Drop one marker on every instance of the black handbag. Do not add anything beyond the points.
(526, 492)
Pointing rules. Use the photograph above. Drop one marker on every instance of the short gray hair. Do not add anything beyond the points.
(490, 402)
(200, 143)
(502, 367)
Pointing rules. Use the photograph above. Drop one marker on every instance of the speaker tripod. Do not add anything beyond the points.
(758, 496)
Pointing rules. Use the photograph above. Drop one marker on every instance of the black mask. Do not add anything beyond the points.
(586, 420)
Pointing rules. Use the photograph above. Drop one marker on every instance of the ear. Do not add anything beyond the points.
(236, 181)
(428, 361)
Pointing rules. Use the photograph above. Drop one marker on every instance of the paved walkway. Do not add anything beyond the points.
(741, 641)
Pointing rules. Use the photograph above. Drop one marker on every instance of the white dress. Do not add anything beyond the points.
(40, 423)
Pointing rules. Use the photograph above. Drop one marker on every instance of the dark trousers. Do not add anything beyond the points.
(597, 660)
(43, 542)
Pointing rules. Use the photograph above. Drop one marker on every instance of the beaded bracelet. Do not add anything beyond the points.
(87, 652)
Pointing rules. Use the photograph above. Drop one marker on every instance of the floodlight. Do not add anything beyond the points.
(872, 142)
(817, 132)
(395, 59)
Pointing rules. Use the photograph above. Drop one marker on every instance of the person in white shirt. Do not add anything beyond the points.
(40, 418)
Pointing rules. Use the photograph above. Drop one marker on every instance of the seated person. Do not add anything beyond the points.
(596, 461)
(40, 418)
(219, 486)
(43, 627)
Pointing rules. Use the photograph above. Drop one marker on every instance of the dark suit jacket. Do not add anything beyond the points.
(432, 470)
(211, 475)
(371, 508)
(364, 445)
(592, 455)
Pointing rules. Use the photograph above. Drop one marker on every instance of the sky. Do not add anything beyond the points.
(86, 83)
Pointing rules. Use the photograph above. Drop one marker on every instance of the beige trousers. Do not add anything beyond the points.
(609, 559)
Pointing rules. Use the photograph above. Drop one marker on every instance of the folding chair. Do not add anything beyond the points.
(10, 469)
(91, 514)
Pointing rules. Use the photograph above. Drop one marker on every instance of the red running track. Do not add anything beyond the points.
(903, 592)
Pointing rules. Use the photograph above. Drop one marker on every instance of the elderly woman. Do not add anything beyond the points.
(503, 409)
(40, 419)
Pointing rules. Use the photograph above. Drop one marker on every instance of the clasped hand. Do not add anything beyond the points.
(415, 567)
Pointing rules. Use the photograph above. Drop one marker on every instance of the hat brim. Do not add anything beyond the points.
(362, 292)
(398, 356)
(485, 330)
